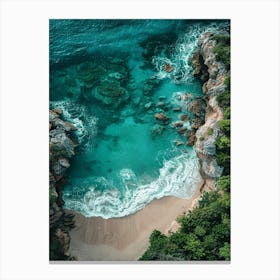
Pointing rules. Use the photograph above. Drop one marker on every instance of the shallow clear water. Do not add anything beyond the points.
(109, 79)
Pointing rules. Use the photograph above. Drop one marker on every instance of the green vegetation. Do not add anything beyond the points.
(222, 49)
(224, 98)
(227, 81)
(227, 113)
(225, 252)
(56, 250)
(201, 138)
(204, 233)
(52, 196)
(223, 147)
(224, 125)
(223, 140)
(210, 131)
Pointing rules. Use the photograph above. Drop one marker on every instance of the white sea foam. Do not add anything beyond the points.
(78, 115)
(180, 59)
(178, 177)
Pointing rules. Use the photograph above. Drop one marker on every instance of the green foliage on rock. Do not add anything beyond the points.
(227, 81)
(223, 143)
(52, 196)
(204, 233)
(210, 131)
(224, 99)
(222, 49)
(56, 251)
(223, 153)
(224, 125)
(227, 113)
(223, 183)
(223, 159)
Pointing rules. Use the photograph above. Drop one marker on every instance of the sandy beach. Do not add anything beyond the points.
(126, 238)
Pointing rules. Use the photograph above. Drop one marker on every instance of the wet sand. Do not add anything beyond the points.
(126, 238)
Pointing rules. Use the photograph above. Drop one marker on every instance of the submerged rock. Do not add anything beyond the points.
(149, 85)
(177, 124)
(148, 105)
(105, 80)
(184, 118)
(157, 130)
(109, 92)
(89, 73)
(182, 130)
(179, 143)
(168, 68)
(161, 117)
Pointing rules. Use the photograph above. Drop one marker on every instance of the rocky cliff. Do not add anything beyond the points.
(62, 145)
(212, 73)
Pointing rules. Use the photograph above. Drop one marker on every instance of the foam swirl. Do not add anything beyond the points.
(178, 177)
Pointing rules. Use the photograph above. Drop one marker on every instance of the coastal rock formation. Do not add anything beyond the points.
(103, 80)
(149, 85)
(168, 68)
(207, 133)
(161, 117)
(110, 92)
(195, 106)
(62, 148)
(199, 68)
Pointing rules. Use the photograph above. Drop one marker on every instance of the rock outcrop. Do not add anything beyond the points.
(61, 148)
(207, 133)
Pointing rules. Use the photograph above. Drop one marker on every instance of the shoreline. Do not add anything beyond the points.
(126, 238)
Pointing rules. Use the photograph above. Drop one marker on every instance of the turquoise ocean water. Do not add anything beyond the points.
(109, 78)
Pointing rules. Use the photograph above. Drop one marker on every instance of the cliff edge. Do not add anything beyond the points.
(213, 75)
(62, 144)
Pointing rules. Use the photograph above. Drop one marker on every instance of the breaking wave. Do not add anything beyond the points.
(80, 116)
(184, 47)
(178, 177)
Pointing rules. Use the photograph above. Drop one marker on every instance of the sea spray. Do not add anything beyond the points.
(178, 177)
(184, 47)
(85, 122)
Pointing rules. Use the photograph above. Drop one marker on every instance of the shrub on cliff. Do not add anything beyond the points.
(210, 131)
(223, 160)
(224, 99)
(224, 125)
(227, 113)
(222, 49)
(204, 233)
